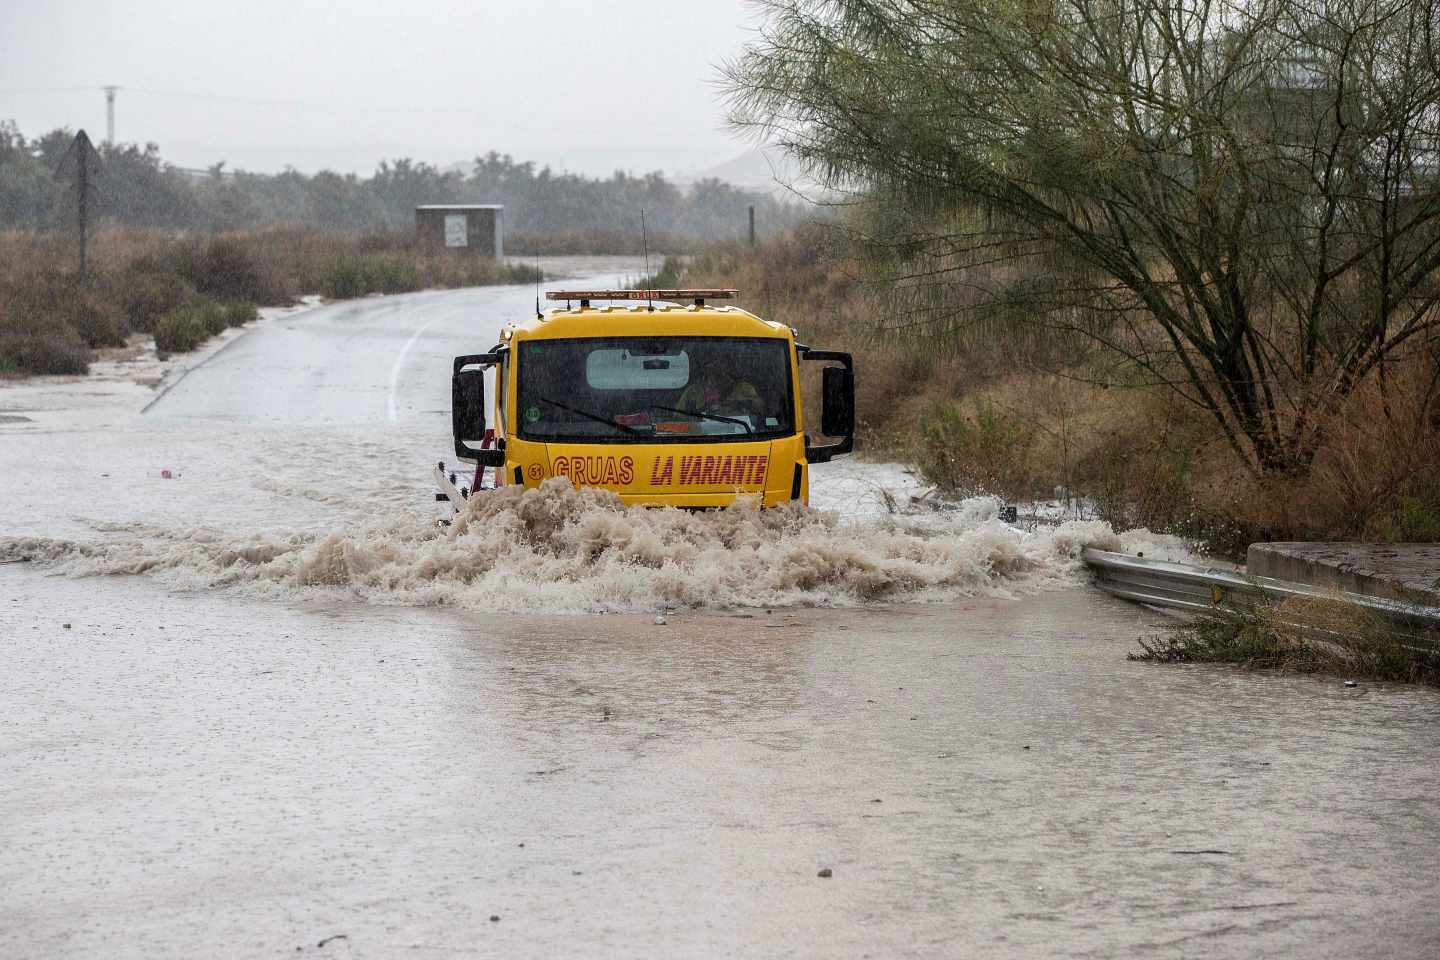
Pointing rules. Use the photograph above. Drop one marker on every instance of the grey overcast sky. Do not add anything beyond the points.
(262, 84)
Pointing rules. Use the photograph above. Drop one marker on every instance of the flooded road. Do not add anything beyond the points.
(224, 755)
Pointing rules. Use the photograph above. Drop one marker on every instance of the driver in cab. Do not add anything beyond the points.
(720, 390)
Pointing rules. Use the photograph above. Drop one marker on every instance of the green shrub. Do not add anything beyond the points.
(213, 316)
(1300, 635)
(145, 297)
(43, 353)
(355, 276)
(99, 322)
(1415, 518)
(343, 280)
(984, 453)
(390, 276)
(49, 303)
(183, 329)
(186, 327)
(238, 313)
(669, 276)
(224, 269)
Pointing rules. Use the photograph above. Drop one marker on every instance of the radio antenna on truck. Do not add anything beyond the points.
(645, 245)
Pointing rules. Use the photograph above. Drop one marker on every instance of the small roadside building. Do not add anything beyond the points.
(477, 229)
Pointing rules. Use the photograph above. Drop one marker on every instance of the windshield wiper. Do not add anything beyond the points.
(707, 416)
(591, 416)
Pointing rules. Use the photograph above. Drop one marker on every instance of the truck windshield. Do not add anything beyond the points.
(655, 390)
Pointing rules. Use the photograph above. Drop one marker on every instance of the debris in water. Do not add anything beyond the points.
(165, 474)
(65, 625)
(825, 872)
(494, 918)
(338, 936)
(660, 620)
(1351, 683)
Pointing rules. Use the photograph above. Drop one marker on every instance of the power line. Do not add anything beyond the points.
(183, 94)
(14, 91)
(259, 101)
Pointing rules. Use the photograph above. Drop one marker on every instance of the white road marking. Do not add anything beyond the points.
(400, 362)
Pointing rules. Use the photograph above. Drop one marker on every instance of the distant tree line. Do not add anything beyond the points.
(137, 188)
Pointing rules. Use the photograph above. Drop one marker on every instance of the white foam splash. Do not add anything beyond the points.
(559, 549)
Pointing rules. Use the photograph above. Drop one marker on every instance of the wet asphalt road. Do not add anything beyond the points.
(193, 773)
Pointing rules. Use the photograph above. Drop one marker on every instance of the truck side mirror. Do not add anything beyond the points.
(837, 417)
(837, 412)
(467, 408)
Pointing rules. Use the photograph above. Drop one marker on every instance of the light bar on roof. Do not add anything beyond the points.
(717, 294)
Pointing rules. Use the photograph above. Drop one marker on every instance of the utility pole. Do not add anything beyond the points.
(752, 224)
(79, 162)
(110, 115)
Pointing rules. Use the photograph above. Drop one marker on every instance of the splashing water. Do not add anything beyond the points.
(560, 549)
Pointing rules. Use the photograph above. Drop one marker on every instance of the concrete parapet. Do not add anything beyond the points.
(1408, 572)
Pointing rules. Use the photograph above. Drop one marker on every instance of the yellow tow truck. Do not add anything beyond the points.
(663, 402)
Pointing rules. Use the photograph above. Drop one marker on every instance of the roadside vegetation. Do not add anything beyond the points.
(1180, 260)
(1023, 414)
(1310, 636)
(184, 289)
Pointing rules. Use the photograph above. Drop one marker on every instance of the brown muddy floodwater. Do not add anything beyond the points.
(191, 775)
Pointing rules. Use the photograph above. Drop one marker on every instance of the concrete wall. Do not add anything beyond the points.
(1408, 572)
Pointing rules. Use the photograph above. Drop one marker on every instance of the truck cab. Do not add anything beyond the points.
(664, 403)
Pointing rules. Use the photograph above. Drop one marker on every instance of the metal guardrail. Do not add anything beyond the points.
(1179, 586)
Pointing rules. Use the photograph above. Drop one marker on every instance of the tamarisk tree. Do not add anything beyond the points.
(1241, 199)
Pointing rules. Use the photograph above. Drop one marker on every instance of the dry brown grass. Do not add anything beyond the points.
(1375, 478)
(136, 278)
(27, 252)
